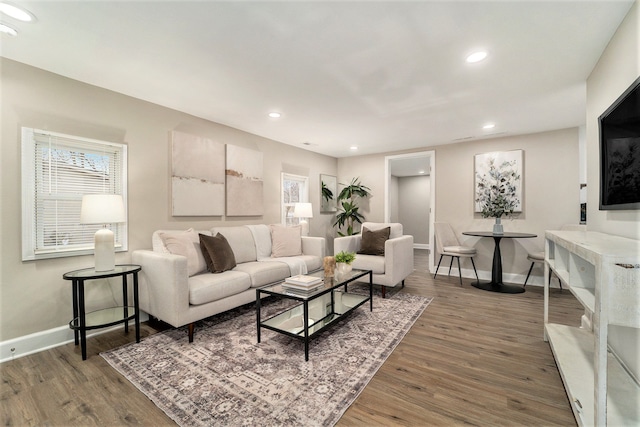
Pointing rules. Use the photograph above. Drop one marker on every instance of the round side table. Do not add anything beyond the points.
(82, 321)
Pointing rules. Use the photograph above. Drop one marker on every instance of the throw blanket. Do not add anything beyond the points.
(262, 238)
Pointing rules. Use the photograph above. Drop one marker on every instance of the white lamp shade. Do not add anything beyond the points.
(303, 210)
(102, 209)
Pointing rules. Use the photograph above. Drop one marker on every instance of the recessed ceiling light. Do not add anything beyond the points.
(15, 12)
(420, 172)
(275, 115)
(353, 148)
(5, 29)
(488, 126)
(477, 56)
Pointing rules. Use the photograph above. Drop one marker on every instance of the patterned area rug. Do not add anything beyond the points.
(226, 378)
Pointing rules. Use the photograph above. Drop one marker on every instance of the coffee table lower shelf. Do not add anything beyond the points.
(314, 313)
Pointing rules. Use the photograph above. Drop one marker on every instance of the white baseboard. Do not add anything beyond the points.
(517, 279)
(45, 340)
(421, 246)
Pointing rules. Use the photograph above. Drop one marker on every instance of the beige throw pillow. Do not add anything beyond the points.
(285, 241)
(187, 244)
(373, 241)
(217, 253)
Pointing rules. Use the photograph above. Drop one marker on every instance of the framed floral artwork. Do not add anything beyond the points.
(498, 183)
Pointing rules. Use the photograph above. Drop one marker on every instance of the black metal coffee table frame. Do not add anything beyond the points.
(335, 305)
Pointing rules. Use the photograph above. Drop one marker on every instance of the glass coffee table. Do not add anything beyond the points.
(316, 311)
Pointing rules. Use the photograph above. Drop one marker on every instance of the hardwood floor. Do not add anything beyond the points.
(473, 357)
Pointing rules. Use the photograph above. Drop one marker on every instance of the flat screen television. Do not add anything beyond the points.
(620, 152)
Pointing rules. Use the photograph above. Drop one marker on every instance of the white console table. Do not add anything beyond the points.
(603, 273)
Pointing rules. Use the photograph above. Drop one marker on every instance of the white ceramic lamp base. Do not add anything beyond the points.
(105, 257)
(304, 227)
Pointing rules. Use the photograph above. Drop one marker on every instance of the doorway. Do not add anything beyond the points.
(410, 196)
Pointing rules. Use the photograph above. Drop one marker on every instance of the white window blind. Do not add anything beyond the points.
(57, 170)
(295, 188)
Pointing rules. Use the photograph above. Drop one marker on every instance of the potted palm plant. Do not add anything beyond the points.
(348, 213)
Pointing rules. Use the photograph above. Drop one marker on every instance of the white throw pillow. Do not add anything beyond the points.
(187, 244)
(285, 241)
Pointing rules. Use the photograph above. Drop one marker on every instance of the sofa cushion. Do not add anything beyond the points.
(208, 287)
(157, 245)
(241, 241)
(373, 241)
(264, 272)
(187, 244)
(217, 253)
(374, 263)
(285, 241)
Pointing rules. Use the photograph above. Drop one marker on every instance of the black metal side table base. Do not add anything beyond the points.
(498, 287)
(82, 321)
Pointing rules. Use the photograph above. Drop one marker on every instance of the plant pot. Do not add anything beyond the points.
(497, 227)
(343, 267)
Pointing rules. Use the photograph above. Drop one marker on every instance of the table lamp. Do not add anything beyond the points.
(103, 209)
(303, 211)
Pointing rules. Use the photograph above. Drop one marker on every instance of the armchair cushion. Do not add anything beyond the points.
(373, 241)
(395, 227)
(217, 253)
(375, 263)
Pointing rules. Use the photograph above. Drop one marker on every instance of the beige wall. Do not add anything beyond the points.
(551, 190)
(617, 68)
(33, 295)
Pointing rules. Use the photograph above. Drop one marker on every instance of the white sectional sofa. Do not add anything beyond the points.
(171, 288)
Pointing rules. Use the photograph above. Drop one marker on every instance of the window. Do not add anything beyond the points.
(295, 188)
(57, 170)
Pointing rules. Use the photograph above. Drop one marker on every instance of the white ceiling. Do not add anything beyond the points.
(379, 75)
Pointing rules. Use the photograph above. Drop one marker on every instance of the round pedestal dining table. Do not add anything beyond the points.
(496, 285)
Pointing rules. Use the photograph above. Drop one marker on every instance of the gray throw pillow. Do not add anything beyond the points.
(373, 241)
(217, 253)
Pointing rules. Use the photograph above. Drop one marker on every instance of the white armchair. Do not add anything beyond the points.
(389, 269)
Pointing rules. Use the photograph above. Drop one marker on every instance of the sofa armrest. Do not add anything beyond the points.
(347, 243)
(313, 246)
(163, 285)
(398, 254)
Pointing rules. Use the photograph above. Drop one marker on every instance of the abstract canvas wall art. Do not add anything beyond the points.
(197, 176)
(244, 182)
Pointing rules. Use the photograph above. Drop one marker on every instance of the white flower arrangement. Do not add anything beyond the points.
(496, 190)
